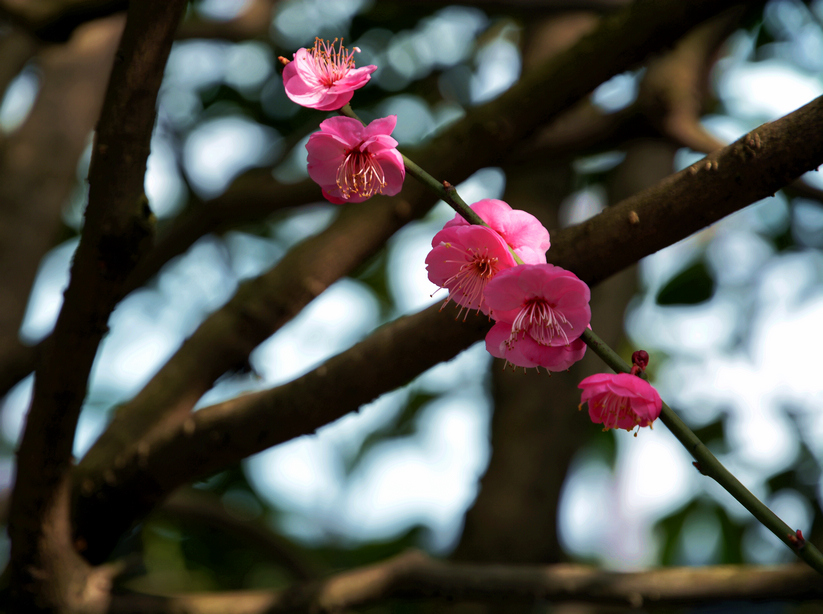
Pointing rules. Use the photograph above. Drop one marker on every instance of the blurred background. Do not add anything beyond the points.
(469, 461)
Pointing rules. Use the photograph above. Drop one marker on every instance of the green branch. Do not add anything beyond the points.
(708, 464)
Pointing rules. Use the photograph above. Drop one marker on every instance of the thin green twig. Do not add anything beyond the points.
(444, 190)
(708, 464)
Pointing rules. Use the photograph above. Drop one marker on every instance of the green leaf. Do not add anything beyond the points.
(691, 286)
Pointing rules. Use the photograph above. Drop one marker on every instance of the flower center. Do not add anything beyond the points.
(540, 321)
(360, 175)
(331, 62)
(615, 407)
(476, 270)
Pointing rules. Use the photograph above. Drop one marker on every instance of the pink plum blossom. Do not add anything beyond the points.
(463, 259)
(352, 162)
(324, 77)
(522, 231)
(620, 400)
(557, 358)
(542, 307)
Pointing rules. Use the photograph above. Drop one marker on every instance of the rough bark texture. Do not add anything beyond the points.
(44, 565)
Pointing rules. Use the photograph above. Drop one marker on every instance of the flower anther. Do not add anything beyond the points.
(620, 400)
(463, 260)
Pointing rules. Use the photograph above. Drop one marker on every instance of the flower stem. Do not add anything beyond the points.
(446, 191)
(708, 464)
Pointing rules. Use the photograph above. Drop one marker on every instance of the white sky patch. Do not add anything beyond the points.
(618, 92)
(498, 69)
(47, 295)
(428, 479)
(19, 99)
(218, 150)
(163, 184)
(768, 89)
(339, 317)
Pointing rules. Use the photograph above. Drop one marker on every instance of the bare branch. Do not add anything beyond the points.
(117, 225)
(38, 168)
(675, 88)
(261, 306)
(752, 168)
(55, 20)
(220, 435)
(415, 576)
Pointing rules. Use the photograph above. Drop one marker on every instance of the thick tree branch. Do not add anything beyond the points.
(751, 168)
(38, 168)
(224, 341)
(253, 196)
(56, 20)
(414, 576)
(116, 228)
(220, 435)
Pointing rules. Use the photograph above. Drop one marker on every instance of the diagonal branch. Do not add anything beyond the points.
(414, 576)
(117, 226)
(38, 168)
(489, 132)
(217, 436)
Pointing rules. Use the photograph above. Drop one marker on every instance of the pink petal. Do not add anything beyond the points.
(521, 230)
(496, 346)
(394, 170)
(332, 197)
(451, 253)
(348, 130)
(333, 102)
(553, 358)
(381, 126)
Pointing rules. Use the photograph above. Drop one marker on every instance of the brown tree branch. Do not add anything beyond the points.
(217, 436)
(116, 228)
(251, 197)
(675, 88)
(263, 305)
(38, 168)
(414, 576)
(56, 20)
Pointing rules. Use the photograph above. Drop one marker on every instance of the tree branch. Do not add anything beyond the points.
(38, 168)
(220, 435)
(55, 21)
(261, 306)
(115, 232)
(415, 576)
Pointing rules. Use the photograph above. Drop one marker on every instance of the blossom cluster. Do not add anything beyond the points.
(500, 268)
